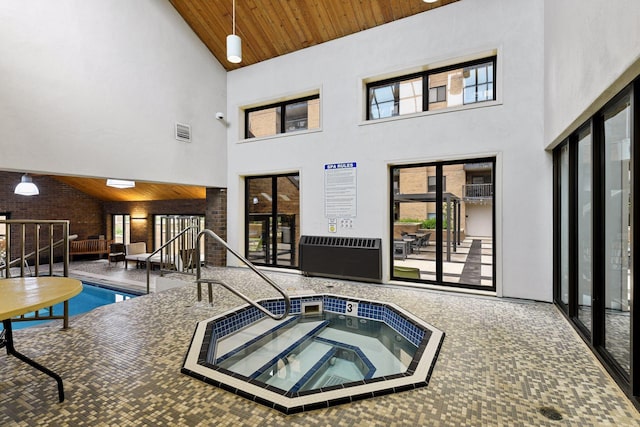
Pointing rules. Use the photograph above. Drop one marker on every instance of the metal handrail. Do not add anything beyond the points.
(37, 228)
(249, 264)
(169, 242)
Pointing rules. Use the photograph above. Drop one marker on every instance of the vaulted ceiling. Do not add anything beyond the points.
(270, 28)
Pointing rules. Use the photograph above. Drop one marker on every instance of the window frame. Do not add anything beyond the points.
(126, 230)
(595, 335)
(432, 183)
(158, 232)
(425, 86)
(283, 119)
(437, 90)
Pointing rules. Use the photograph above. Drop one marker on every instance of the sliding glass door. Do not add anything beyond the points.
(596, 182)
(617, 232)
(443, 223)
(585, 229)
(271, 222)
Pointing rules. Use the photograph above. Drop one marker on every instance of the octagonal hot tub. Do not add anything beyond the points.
(330, 350)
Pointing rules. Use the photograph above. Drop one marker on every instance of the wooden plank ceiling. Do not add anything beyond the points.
(143, 191)
(270, 28)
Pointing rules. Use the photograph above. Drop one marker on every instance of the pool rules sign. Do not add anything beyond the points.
(340, 194)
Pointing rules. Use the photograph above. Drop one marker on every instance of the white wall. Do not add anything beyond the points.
(479, 220)
(592, 50)
(94, 88)
(511, 128)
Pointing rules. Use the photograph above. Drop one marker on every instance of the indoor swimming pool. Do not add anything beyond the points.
(92, 296)
(330, 350)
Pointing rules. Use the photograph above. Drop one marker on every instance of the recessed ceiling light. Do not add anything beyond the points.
(120, 183)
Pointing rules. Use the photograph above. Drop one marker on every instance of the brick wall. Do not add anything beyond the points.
(56, 201)
(88, 216)
(415, 181)
(216, 220)
(142, 215)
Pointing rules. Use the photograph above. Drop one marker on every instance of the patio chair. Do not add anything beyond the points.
(116, 253)
(406, 272)
(423, 241)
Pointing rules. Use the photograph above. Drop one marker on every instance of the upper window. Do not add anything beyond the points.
(288, 116)
(431, 184)
(462, 84)
(394, 98)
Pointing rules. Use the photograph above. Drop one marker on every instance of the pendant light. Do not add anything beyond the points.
(234, 44)
(26, 187)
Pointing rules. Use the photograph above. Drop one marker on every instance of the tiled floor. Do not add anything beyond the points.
(501, 361)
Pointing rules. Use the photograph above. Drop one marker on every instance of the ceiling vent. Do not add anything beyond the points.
(183, 132)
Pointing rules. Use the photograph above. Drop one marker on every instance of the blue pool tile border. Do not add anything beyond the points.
(411, 330)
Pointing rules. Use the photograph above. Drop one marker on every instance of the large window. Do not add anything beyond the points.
(444, 234)
(122, 228)
(617, 231)
(167, 227)
(290, 116)
(184, 248)
(596, 184)
(462, 84)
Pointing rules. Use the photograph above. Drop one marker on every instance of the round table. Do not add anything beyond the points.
(22, 295)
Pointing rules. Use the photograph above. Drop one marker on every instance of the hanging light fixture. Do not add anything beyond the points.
(26, 187)
(234, 44)
(120, 183)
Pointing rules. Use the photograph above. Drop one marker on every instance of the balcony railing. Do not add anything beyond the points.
(477, 191)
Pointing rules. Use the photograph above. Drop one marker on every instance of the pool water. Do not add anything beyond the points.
(92, 296)
(311, 352)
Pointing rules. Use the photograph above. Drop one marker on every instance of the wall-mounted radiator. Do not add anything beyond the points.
(341, 257)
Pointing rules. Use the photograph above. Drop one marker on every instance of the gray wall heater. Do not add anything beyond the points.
(341, 257)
